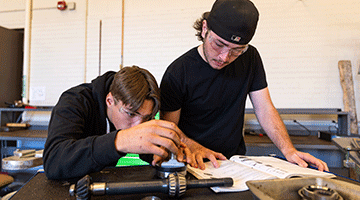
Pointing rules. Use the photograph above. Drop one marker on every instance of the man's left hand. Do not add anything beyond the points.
(304, 159)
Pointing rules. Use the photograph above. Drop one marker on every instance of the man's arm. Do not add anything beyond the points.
(274, 127)
(70, 151)
(199, 152)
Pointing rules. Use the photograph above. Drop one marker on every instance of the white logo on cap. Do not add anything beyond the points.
(235, 38)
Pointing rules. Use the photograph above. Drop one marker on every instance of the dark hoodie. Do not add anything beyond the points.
(77, 143)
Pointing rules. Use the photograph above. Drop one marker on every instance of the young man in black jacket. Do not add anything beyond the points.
(94, 124)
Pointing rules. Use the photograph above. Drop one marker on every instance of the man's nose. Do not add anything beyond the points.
(225, 56)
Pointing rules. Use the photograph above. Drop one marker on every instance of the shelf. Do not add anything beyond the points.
(343, 118)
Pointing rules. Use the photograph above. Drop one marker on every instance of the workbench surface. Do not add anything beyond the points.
(39, 187)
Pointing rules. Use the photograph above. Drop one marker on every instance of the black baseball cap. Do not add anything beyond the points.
(233, 20)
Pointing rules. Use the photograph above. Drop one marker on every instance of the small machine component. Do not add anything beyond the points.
(325, 136)
(171, 166)
(315, 192)
(175, 185)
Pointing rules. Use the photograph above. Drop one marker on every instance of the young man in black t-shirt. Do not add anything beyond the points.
(204, 91)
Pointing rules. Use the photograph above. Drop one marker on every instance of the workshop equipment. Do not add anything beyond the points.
(318, 192)
(349, 146)
(172, 166)
(306, 188)
(23, 159)
(175, 185)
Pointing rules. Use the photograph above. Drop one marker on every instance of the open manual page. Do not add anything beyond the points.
(246, 168)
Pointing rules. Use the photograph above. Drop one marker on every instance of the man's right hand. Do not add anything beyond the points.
(148, 138)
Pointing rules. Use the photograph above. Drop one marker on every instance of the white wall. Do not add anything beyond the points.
(301, 42)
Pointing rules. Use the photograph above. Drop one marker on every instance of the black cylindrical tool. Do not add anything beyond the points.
(175, 185)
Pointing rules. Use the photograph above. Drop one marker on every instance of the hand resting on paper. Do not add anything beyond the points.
(304, 159)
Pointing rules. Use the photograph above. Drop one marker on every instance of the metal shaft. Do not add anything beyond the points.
(162, 185)
(202, 183)
(137, 187)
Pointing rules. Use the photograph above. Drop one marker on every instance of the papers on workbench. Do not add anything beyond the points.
(247, 168)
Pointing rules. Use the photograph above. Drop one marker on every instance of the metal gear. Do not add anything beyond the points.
(177, 185)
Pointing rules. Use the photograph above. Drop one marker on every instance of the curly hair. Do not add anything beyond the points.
(198, 25)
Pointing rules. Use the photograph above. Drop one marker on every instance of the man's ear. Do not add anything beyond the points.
(204, 28)
(110, 99)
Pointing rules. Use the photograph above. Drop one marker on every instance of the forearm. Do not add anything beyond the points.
(270, 120)
(274, 127)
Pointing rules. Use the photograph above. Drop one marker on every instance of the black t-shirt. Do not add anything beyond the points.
(212, 101)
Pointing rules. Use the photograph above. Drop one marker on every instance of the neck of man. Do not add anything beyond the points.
(200, 50)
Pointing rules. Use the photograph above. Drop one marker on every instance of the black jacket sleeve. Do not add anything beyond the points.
(77, 144)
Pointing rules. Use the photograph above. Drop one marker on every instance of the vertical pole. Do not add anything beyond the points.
(27, 52)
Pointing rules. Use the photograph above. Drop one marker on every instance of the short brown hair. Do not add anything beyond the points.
(133, 85)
